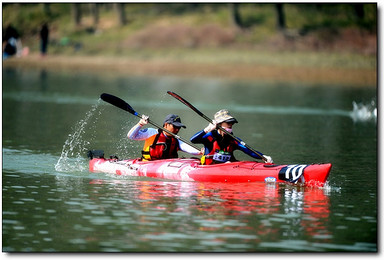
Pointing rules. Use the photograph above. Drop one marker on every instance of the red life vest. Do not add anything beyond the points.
(160, 147)
(220, 154)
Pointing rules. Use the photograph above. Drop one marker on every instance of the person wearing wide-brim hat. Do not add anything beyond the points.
(160, 144)
(219, 146)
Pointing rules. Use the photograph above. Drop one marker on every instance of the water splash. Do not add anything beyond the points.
(74, 148)
(328, 188)
(364, 112)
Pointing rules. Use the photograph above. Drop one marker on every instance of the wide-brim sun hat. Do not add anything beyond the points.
(224, 116)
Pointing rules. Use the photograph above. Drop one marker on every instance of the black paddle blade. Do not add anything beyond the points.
(118, 102)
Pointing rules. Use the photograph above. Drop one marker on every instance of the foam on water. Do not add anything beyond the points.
(364, 112)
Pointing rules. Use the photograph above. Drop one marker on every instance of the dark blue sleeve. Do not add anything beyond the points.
(201, 138)
(247, 151)
(198, 138)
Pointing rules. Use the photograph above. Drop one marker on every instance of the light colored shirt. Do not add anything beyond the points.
(136, 133)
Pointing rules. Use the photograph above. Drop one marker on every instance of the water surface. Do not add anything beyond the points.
(51, 203)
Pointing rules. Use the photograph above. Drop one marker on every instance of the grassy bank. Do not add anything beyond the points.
(321, 44)
(351, 77)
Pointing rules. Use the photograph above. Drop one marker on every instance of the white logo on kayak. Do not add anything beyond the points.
(270, 179)
(292, 173)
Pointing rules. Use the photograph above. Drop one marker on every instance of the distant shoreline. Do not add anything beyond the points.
(157, 67)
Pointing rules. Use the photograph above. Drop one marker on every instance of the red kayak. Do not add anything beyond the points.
(191, 170)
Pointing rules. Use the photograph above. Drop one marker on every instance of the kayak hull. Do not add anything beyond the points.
(191, 170)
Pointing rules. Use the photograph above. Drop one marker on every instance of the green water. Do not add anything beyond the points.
(51, 203)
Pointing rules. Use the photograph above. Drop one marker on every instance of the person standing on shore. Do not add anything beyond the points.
(44, 37)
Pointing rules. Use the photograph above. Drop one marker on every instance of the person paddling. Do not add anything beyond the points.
(160, 144)
(218, 146)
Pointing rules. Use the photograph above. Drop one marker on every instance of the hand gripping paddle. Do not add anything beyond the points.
(118, 102)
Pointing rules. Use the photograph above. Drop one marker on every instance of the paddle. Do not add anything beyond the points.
(118, 102)
(185, 102)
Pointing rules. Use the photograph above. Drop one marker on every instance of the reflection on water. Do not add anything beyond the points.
(293, 207)
(209, 216)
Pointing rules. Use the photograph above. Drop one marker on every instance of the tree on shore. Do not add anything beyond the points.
(95, 13)
(76, 14)
(235, 15)
(119, 7)
(280, 17)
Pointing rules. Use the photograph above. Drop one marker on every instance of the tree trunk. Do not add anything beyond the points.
(280, 17)
(121, 13)
(95, 13)
(359, 10)
(235, 15)
(76, 13)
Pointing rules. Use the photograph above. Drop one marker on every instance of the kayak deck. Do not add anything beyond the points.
(192, 170)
